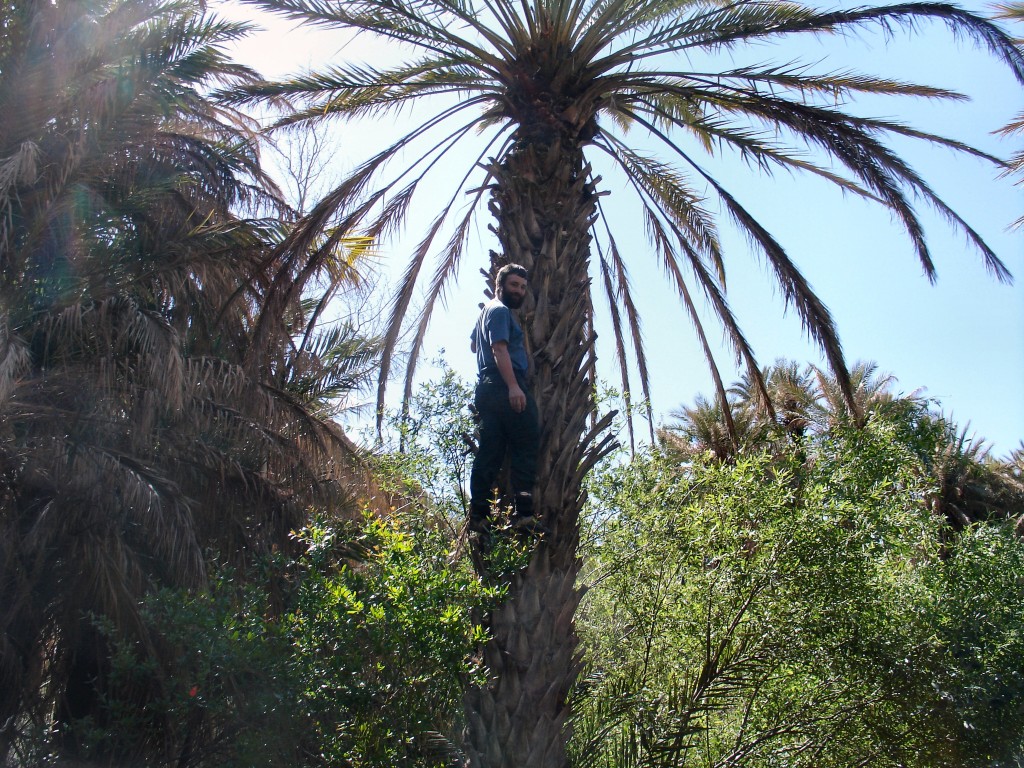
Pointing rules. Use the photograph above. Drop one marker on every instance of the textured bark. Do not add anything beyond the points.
(544, 203)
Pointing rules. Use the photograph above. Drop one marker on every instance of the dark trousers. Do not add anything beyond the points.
(503, 432)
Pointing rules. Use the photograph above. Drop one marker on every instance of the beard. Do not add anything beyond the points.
(512, 302)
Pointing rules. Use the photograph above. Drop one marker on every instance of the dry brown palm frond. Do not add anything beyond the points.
(816, 318)
(620, 347)
(706, 241)
(15, 360)
(624, 293)
(20, 168)
(448, 266)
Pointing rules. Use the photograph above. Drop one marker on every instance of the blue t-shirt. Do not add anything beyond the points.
(497, 323)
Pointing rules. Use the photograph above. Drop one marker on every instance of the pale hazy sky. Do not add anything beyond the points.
(961, 339)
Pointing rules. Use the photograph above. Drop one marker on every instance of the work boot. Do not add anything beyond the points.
(523, 520)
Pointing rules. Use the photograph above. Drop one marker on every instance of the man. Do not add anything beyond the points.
(506, 409)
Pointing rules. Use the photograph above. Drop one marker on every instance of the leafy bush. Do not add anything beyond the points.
(384, 646)
(352, 655)
(803, 608)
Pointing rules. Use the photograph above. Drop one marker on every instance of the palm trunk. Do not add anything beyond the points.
(544, 203)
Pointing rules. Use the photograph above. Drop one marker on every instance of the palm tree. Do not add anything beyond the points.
(136, 437)
(1014, 468)
(705, 428)
(802, 400)
(969, 485)
(549, 86)
(872, 392)
(791, 396)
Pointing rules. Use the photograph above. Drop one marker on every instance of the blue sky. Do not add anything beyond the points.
(962, 339)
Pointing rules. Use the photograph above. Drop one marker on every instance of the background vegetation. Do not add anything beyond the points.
(198, 568)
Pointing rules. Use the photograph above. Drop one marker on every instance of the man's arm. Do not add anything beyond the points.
(516, 396)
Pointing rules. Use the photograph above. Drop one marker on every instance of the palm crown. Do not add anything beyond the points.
(586, 72)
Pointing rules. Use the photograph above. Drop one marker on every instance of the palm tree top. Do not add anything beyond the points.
(591, 74)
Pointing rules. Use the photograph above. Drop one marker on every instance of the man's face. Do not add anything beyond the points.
(513, 293)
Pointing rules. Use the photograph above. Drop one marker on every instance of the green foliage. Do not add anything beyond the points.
(425, 450)
(384, 644)
(356, 659)
(977, 594)
(222, 695)
(803, 608)
(808, 605)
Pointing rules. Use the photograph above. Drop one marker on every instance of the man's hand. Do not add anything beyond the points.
(517, 399)
(516, 396)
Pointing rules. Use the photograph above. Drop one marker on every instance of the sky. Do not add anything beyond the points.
(960, 340)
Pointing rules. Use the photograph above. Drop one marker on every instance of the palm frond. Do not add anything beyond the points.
(624, 293)
(444, 274)
(564, 64)
(620, 344)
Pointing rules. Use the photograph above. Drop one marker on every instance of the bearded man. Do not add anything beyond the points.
(506, 409)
